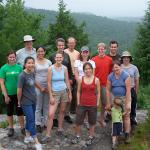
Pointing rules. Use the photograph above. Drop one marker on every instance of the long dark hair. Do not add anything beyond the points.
(26, 60)
(87, 64)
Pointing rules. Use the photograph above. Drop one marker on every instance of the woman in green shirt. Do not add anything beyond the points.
(9, 73)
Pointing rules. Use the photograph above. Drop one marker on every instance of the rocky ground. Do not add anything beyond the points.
(102, 141)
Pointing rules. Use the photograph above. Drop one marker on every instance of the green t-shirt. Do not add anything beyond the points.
(10, 75)
(116, 114)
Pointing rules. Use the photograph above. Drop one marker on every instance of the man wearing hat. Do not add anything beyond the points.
(126, 60)
(28, 50)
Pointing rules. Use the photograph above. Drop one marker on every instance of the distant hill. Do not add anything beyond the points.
(99, 29)
(128, 19)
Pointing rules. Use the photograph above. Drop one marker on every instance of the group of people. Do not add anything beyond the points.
(47, 91)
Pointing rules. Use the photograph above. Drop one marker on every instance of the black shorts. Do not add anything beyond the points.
(117, 129)
(91, 112)
(13, 104)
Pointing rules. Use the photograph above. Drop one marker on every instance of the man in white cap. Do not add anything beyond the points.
(28, 50)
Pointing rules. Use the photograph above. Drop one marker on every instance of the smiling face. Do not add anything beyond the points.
(126, 60)
(116, 68)
(85, 54)
(113, 48)
(11, 59)
(58, 58)
(40, 53)
(60, 46)
(88, 70)
(29, 65)
(71, 43)
(101, 50)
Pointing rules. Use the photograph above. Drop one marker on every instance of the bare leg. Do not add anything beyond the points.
(91, 130)
(21, 121)
(10, 121)
(52, 110)
(61, 114)
(126, 120)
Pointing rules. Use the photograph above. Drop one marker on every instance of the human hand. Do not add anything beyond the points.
(7, 99)
(52, 100)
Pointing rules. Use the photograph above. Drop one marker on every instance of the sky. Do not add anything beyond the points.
(109, 8)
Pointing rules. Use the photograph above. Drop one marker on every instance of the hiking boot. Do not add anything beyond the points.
(23, 131)
(39, 128)
(127, 138)
(46, 139)
(90, 140)
(76, 140)
(68, 119)
(55, 123)
(10, 132)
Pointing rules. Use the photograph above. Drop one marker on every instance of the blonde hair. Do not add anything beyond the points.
(101, 44)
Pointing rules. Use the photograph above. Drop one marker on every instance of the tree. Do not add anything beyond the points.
(15, 22)
(65, 27)
(142, 52)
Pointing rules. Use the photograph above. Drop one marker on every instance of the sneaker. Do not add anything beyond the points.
(55, 123)
(76, 140)
(60, 132)
(68, 119)
(127, 138)
(114, 146)
(46, 139)
(28, 139)
(39, 128)
(10, 132)
(23, 131)
(90, 140)
(38, 146)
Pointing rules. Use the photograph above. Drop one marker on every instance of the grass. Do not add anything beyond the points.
(141, 138)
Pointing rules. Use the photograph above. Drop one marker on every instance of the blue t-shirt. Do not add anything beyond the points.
(58, 79)
(118, 85)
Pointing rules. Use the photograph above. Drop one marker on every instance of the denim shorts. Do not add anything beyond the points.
(81, 113)
(117, 128)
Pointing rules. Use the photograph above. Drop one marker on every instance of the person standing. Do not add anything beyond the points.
(28, 50)
(8, 80)
(127, 65)
(41, 70)
(27, 100)
(119, 84)
(74, 55)
(88, 95)
(113, 51)
(59, 93)
(60, 44)
(103, 68)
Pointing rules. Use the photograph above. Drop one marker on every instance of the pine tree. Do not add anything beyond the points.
(142, 52)
(15, 22)
(65, 27)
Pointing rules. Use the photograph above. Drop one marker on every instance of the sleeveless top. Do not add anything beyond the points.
(88, 94)
(58, 79)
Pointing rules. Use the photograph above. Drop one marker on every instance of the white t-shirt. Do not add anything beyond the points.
(79, 65)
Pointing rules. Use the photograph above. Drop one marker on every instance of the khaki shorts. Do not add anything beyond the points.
(60, 96)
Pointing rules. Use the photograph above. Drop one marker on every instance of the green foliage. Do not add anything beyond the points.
(140, 139)
(144, 97)
(142, 52)
(15, 23)
(65, 27)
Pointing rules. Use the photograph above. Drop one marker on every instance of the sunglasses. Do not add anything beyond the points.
(85, 51)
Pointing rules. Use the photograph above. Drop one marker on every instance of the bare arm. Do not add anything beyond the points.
(78, 91)
(108, 89)
(19, 95)
(98, 90)
(128, 93)
(136, 85)
(76, 73)
(49, 78)
(37, 84)
(7, 99)
(68, 83)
